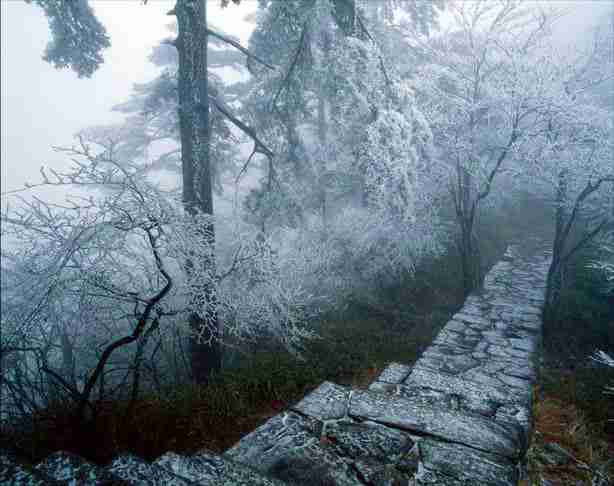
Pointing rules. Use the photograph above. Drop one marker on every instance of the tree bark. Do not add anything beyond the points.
(470, 264)
(68, 357)
(555, 278)
(192, 41)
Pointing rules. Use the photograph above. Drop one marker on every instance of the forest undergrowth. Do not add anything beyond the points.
(353, 348)
(574, 436)
(573, 442)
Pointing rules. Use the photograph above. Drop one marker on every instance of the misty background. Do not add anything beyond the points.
(399, 150)
(43, 106)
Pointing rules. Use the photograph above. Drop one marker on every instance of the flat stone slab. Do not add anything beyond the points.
(464, 464)
(452, 363)
(394, 373)
(462, 415)
(490, 389)
(290, 447)
(208, 469)
(327, 402)
(450, 337)
(460, 403)
(304, 451)
(368, 439)
(460, 427)
(136, 471)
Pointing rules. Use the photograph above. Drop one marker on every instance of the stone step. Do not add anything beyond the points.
(447, 464)
(460, 416)
(206, 468)
(136, 471)
(445, 421)
(317, 442)
(343, 436)
(64, 466)
(513, 413)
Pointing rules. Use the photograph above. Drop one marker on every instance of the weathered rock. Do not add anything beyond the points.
(383, 387)
(15, 473)
(135, 470)
(302, 450)
(212, 470)
(368, 439)
(438, 380)
(290, 447)
(394, 373)
(461, 427)
(457, 339)
(554, 454)
(327, 402)
(430, 397)
(73, 469)
(460, 416)
(467, 465)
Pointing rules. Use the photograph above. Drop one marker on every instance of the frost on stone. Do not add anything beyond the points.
(444, 423)
(467, 465)
(135, 470)
(63, 466)
(328, 401)
(210, 469)
(394, 373)
(461, 415)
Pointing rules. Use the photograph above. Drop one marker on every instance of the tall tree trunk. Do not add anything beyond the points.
(323, 62)
(192, 40)
(470, 263)
(322, 129)
(554, 281)
(68, 357)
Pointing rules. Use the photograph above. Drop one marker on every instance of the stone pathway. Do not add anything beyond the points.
(460, 416)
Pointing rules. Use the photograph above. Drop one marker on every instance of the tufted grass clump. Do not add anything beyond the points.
(568, 447)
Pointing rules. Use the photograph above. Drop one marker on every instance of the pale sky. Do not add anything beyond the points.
(42, 106)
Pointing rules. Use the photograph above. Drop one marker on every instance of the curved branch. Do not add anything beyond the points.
(259, 146)
(239, 47)
(363, 27)
(297, 53)
(142, 322)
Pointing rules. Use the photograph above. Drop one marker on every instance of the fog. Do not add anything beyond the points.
(212, 236)
(51, 105)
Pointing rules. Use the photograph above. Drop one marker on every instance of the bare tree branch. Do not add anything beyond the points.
(239, 47)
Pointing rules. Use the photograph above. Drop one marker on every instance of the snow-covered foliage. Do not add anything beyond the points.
(368, 121)
(605, 359)
(344, 126)
(107, 269)
(77, 36)
(605, 261)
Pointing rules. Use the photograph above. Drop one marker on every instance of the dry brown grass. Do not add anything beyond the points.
(589, 451)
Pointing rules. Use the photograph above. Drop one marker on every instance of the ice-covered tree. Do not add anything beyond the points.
(569, 157)
(344, 126)
(605, 359)
(78, 39)
(94, 289)
(77, 36)
(480, 94)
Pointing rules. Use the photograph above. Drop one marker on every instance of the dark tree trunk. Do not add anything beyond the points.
(205, 354)
(68, 358)
(470, 262)
(322, 132)
(554, 281)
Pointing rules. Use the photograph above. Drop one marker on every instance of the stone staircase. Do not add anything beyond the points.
(462, 415)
